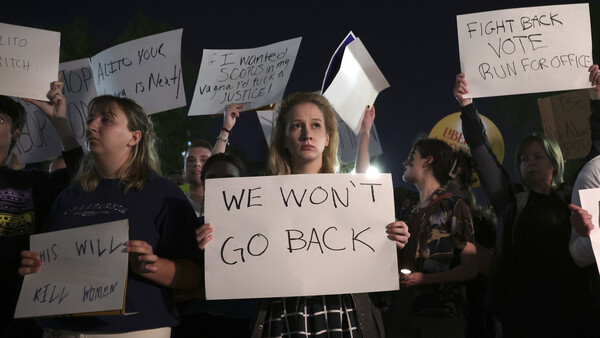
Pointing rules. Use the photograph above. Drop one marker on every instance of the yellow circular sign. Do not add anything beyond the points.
(449, 130)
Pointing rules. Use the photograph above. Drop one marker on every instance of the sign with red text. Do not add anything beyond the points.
(255, 77)
(566, 118)
(299, 235)
(525, 50)
(147, 70)
(28, 61)
(84, 271)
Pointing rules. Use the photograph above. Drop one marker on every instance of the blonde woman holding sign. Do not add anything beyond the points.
(118, 180)
(305, 141)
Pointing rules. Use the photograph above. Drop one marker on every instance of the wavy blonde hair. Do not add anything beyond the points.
(280, 161)
(143, 158)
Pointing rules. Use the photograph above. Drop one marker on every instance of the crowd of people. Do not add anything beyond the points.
(522, 267)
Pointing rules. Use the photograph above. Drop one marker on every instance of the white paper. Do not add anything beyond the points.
(147, 70)
(590, 201)
(28, 61)
(39, 141)
(356, 85)
(255, 77)
(525, 50)
(84, 270)
(329, 239)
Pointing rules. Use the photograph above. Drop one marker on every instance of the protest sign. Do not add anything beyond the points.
(299, 235)
(590, 201)
(525, 50)
(79, 90)
(84, 271)
(255, 77)
(336, 61)
(348, 146)
(147, 70)
(356, 85)
(28, 61)
(39, 140)
(565, 118)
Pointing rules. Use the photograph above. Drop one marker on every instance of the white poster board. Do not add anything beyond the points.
(84, 271)
(356, 85)
(590, 201)
(147, 70)
(299, 235)
(39, 140)
(255, 77)
(28, 61)
(525, 50)
(79, 89)
(348, 146)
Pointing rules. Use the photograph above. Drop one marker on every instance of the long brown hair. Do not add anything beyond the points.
(279, 161)
(143, 158)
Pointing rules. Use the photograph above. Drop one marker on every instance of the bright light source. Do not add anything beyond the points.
(372, 171)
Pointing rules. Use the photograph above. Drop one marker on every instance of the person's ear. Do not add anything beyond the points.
(136, 136)
(16, 134)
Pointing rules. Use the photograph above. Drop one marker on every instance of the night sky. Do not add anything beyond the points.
(414, 44)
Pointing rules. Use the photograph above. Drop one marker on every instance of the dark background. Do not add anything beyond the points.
(414, 44)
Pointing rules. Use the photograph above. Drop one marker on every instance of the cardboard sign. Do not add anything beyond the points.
(590, 201)
(84, 272)
(299, 235)
(147, 70)
(28, 61)
(525, 50)
(566, 118)
(356, 85)
(255, 77)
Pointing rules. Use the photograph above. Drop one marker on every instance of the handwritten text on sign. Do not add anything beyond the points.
(565, 118)
(84, 270)
(28, 61)
(39, 140)
(299, 235)
(255, 77)
(525, 50)
(147, 70)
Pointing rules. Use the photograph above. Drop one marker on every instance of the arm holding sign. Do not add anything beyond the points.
(595, 108)
(362, 156)
(229, 118)
(56, 110)
(30, 263)
(494, 179)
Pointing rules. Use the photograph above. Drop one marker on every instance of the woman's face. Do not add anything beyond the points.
(414, 165)
(536, 167)
(108, 134)
(306, 136)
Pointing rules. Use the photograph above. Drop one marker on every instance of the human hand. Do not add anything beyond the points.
(231, 115)
(460, 89)
(412, 279)
(203, 235)
(56, 108)
(398, 231)
(581, 221)
(30, 263)
(368, 118)
(141, 257)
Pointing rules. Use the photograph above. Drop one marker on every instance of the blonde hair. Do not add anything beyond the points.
(143, 158)
(552, 150)
(279, 160)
